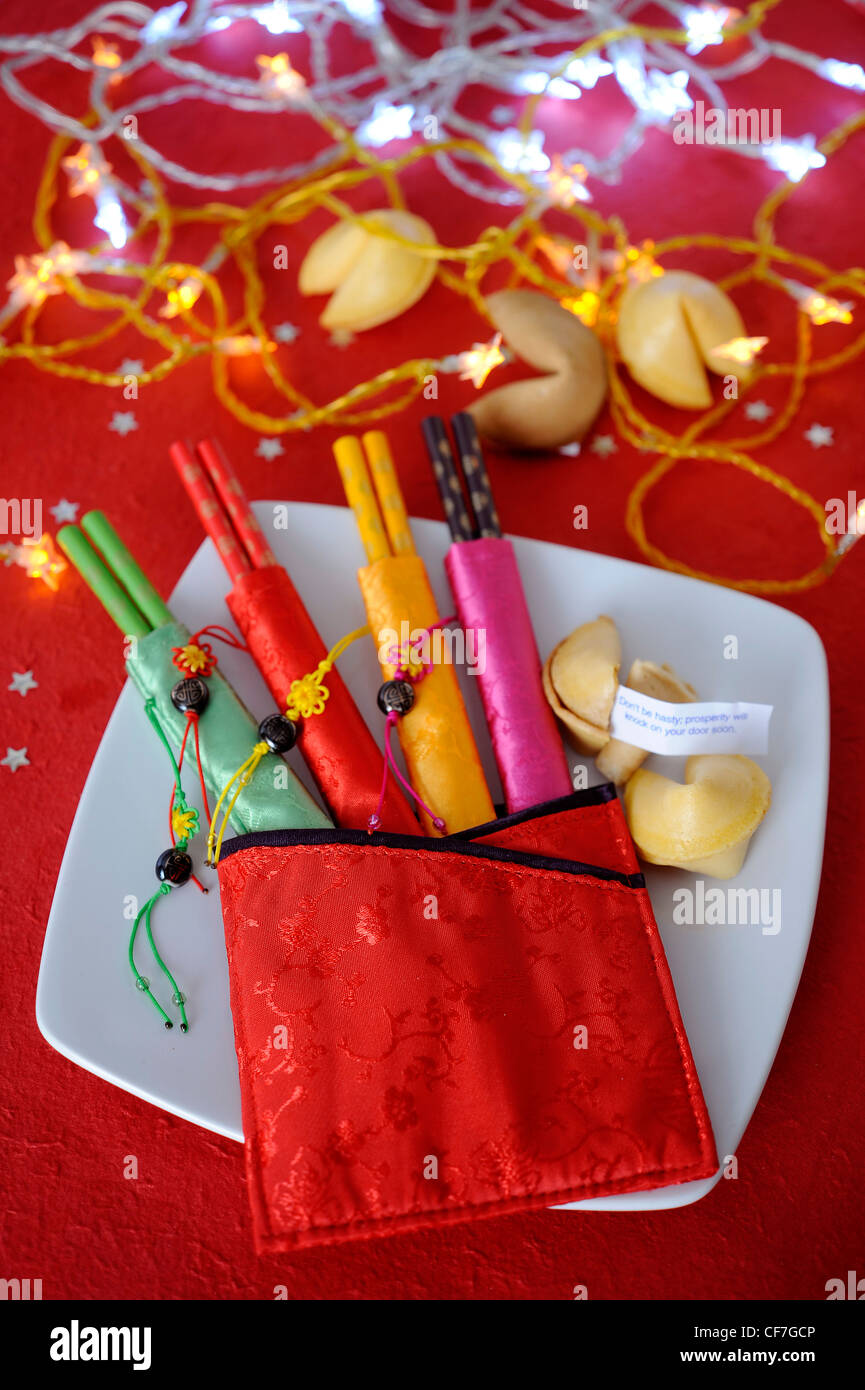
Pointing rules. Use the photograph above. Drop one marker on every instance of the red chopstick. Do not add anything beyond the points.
(211, 514)
(236, 504)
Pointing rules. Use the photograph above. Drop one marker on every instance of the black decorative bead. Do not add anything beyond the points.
(396, 697)
(174, 866)
(190, 695)
(278, 732)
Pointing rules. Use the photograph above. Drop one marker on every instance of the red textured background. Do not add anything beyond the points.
(794, 1218)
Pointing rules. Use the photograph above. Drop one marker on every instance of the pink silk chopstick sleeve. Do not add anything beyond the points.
(488, 592)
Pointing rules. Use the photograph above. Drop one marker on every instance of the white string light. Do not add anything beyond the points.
(389, 77)
(389, 92)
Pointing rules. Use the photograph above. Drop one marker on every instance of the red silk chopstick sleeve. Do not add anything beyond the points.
(436, 1030)
(337, 746)
(488, 593)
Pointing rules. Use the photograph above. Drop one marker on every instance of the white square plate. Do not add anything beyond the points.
(735, 983)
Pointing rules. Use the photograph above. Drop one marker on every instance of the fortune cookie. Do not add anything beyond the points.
(617, 760)
(543, 412)
(704, 825)
(580, 682)
(668, 329)
(373, 278)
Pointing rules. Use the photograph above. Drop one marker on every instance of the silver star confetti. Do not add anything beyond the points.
(285, 332)
(758, 410)
(269, 449)
(819, 436)
(15, 758)
(22, 681)
(65, 511)
(123, 422)
(604, 444)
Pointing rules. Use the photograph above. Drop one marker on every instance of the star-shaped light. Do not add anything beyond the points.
(477, 363)
(269, 449)
(15, 758)
(181, 297)
(705, 25)
(822, 309)
(502, 115)
(588, 70)
(123, 422)
(741, 350)
(658, 95)
(65, 511)
(584, 305)
(385, 124)
(22, 681)
(286, 332)
(36, 277)
(277, 19)
(545, 84)
(667, 93)
(794, 157)
(86, 169)
(567, 183)
(758, 410)
(105, 55)
(40, 559)
(638, 262)
(604, 445)
(365, 11)
(845, 74)
(278, 78)
(131, 366)
(163, 22)
(520, 153)
(820, 436)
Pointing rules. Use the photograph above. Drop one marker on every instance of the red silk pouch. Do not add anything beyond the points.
(438, 1030)
(336, 745)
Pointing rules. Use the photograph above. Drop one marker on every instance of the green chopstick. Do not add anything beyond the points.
(96, 574)
(126, 568)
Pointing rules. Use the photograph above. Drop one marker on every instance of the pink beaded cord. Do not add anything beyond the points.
(403, 667)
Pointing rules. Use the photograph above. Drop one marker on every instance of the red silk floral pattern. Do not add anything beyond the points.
(405, 1025)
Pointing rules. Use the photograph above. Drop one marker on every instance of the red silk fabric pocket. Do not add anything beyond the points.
(589, 823)
(434, 1031)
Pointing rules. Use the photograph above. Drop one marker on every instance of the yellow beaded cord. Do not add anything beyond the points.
(242, 777)
(307, 695)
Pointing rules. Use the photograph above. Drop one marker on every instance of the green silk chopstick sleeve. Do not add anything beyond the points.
(228, 734)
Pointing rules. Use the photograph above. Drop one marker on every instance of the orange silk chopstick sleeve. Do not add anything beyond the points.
(436, 738)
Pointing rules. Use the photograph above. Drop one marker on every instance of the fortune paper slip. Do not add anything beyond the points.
(710, 726)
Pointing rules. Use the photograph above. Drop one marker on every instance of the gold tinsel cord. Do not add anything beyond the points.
(462, 270)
